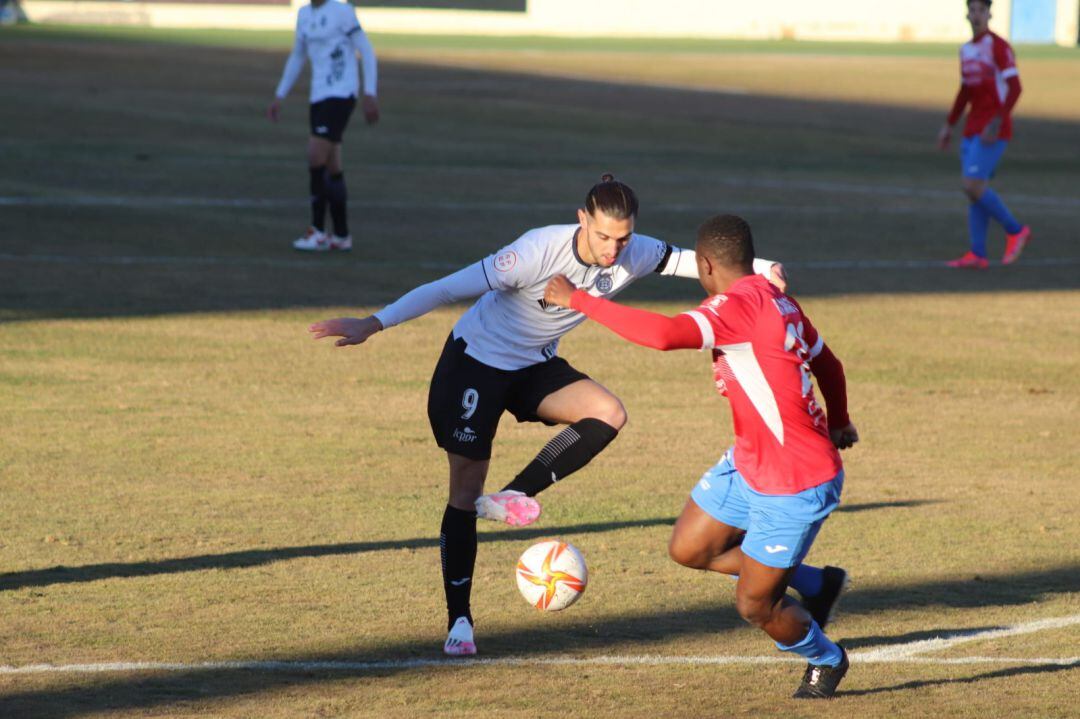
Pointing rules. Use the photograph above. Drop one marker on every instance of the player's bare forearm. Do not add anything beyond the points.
(273, 111)
(351, 330)
(369, 105)
(944, 136)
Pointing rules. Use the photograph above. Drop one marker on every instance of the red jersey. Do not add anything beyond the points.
(762, 345)
(987, 63)
(764, 350)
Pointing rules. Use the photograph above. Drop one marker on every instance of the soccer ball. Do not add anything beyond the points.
(551, 575)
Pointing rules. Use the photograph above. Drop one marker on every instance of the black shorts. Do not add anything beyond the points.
(467, 397)
(329, 117)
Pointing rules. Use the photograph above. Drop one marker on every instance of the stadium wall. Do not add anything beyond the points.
(914, 20)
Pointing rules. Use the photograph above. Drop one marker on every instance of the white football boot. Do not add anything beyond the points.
(509, 506)
(459, 642)
(312, 241)
(343, 244)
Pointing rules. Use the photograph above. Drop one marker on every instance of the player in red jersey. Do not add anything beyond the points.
(991, 85)
(757, 512)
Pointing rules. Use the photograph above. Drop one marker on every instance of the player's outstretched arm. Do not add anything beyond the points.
(463, 284)
(648, 329)
(351, 330)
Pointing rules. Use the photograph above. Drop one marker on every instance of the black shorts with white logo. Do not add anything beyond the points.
(329, 117)
(467, 397)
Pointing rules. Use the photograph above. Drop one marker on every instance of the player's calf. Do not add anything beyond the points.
(567, 452)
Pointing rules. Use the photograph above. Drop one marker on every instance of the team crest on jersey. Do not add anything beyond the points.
(713, 303)
(506, 261)
(604, 283)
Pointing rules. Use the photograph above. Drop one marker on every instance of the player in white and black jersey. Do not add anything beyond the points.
(328, 34)
(502, 356)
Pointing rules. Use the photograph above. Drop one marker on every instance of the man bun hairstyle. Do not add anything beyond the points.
(728, 240)
(615, 199)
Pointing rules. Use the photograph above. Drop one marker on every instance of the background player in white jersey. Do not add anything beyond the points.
(328, 34)
(502, 355)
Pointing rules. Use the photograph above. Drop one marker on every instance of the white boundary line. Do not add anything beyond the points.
(1065, 205)
(316, 263)
(941, 643)
(905, 653)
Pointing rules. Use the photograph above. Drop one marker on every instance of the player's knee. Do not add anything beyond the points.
(613, 413)
(973, 189)
(754, 610)
(684, 553)
(467, 483)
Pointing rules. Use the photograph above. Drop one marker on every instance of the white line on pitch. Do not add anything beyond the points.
(390, 665)
(297, 263)
(941, 643)
(901, 653)
(1053, 204)
(321, 263)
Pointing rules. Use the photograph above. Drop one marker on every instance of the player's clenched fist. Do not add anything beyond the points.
(844, 437)
(558, 291)
(351, 330)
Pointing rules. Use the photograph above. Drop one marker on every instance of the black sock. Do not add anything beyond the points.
(457, 542)
(317, 185)
(335, 191)
(566, 453)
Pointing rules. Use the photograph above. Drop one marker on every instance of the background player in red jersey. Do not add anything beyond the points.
(757, 512)
(991, 84)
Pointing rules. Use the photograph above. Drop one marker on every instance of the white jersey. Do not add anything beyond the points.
(511, 327)
(329, 36)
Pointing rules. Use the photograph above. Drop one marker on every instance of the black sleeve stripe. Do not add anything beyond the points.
(355, 29)
(664, 260)
(486, 275)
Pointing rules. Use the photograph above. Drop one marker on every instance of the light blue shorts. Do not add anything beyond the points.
(780, 528)
(979, 160)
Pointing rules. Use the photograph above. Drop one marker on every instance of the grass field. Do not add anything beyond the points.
(188, 481)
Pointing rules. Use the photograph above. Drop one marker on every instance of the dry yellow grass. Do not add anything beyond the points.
(187, 477)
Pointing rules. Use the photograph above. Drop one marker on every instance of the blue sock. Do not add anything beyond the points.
(807, 580)
(997, 209)
(978, 224)
(817, 648)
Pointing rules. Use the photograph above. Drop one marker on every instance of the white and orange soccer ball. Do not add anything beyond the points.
(551, 575)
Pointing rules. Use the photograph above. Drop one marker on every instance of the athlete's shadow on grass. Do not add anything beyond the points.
(883, 641)
(999, 674)
(201, 687)
(256, 557)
